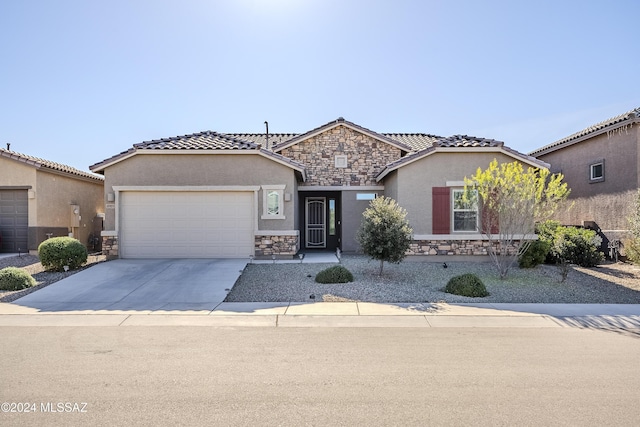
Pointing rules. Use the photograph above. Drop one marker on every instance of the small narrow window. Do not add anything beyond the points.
(332, 217)
(365, 196)
(272, 201)
(465, 210)
(596, 173)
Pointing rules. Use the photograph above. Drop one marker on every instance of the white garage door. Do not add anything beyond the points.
(198, 224)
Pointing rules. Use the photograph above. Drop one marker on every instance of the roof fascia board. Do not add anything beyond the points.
(199, 152)
(95, 180)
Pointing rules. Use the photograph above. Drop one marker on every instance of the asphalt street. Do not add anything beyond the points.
(173, 375)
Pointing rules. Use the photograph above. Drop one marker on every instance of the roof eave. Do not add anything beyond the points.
(346, 123)
(567, 142)
(531, 161)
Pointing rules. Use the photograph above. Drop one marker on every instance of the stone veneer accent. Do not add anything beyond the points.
(366, 157)
(450, 247)
(110, 246)
(280, 246)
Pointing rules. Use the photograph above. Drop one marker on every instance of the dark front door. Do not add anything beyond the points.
(321, 219)
(14, 220)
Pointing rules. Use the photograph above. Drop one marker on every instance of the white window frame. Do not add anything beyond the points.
(266, 190)
(592, 166)
(454, 210)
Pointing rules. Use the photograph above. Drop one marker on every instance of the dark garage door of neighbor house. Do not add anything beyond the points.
(14, 220)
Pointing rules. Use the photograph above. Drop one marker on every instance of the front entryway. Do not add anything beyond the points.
(321, 217)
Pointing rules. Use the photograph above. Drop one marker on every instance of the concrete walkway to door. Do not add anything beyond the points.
(141, 285)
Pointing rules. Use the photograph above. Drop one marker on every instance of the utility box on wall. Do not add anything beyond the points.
(75, 216)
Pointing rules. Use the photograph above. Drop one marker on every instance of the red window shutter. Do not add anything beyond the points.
(441, 199)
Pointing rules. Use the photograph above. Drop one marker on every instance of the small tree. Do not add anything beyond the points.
(385, 233)
(513, 201)
(632, 245)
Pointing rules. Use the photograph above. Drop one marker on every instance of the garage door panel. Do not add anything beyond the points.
(186, 224)
(14, 220)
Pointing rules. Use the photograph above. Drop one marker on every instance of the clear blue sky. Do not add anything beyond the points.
(83, 80)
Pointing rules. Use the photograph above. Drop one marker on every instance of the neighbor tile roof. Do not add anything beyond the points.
(46, 164)
(632, 116)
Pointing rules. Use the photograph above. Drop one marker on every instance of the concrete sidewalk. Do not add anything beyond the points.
(345, 314)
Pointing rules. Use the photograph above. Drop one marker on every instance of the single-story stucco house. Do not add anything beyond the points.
(210, 194)
(41, 199)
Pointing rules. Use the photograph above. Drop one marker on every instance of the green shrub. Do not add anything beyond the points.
(535, 254)
(57, 252)
(546, 232)
(632, 249)
(14, 279)
(467, 285)
(582, 247)
(571, 244)
(336, 274)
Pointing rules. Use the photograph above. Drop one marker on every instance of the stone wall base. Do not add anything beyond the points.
(110, 246)
(452, 247)
(283, 247)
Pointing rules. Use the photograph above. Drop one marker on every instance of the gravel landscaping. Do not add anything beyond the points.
(31, 264)
(411, 281)
(418, 281)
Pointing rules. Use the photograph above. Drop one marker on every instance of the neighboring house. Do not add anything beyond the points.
(239, 195)
(41, 199)
(601, 165)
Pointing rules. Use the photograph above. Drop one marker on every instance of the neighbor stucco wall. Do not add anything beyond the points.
(366, 157)
(54, 196)
(51, 194)
(415, 181)
(607, 203)
(204, 170)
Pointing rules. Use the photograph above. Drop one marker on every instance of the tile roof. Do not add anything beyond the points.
(459, 141)
(462, 142)
(207, 140)
(340, 121)
(46, 164)
(414, 141)
(629, 117)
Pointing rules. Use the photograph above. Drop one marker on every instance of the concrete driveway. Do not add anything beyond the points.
(141, 285)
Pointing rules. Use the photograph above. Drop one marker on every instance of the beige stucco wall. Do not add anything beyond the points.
(54, 196)
(415, 181)
(204, 170)
(366, 157)
(50, 200)
(607, 203)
